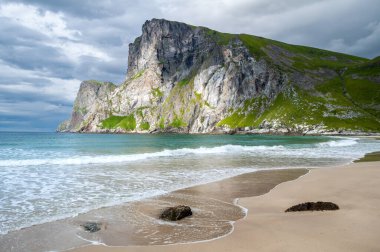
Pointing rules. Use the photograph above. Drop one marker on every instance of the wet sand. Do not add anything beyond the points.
(137, 224)
(355, 227)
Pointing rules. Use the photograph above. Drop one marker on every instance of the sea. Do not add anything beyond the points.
(50, 176)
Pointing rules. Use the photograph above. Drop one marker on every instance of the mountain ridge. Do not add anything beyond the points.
(189, 79)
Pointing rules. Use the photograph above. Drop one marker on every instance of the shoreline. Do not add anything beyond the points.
(70, 227)
(260, 218)
(235, 202)
(218, 209)
(233, 132)
(115, 204)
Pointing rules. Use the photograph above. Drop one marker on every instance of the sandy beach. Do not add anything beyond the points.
(355, 227)
(136, 223)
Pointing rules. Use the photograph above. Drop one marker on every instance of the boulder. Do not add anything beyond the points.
(176, 213)
(92, 227)
(313, 206)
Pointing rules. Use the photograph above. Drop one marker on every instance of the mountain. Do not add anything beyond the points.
(183, 78)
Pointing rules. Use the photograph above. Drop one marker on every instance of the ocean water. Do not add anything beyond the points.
(49, 176)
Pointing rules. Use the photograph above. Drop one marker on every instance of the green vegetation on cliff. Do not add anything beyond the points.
(329, 107)
(144, 126)
(288, 56)
(177, 122)
(156, 92)
(138, 75)
(123, 122)
(345, 93)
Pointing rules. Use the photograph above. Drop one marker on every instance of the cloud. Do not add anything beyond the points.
(30, 109)
(87, 8)
(54, 27)
(43, 21)
(31, 115)
(34, 97)
(367, 45)
(15, 80)
(48, 47)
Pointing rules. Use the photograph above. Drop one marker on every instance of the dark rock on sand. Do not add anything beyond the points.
(313, 206)
(92, 227)
(176, 213)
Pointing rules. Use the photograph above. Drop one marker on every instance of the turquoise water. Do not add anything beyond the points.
(49, 176)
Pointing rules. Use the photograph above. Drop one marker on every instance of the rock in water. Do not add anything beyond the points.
(92, 227)
(313, 206)
(176, 213)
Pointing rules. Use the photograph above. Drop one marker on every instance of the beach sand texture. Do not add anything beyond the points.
(355, 227)
(137, 223)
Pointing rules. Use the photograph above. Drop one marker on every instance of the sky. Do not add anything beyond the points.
(48, 47)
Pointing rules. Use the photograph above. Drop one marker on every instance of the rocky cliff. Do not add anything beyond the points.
(183, 78)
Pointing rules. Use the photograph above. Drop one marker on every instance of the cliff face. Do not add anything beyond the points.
(191, 79)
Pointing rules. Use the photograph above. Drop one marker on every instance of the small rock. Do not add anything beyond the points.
(313, 206)
(176, 213)
(232, 131)
(92, 227)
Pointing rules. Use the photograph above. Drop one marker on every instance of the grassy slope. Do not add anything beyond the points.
(363, 87)
(337, 102)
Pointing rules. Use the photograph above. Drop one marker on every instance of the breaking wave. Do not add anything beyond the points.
(224, 149)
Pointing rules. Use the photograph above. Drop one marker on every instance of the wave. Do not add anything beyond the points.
(105, 159)
(224, 149)
(339, 143)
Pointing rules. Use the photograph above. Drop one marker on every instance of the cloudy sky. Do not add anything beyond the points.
(48, 47)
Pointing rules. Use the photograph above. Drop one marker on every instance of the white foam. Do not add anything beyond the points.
(105, 159)
(224, 149)
(22, 218)
(339, 143)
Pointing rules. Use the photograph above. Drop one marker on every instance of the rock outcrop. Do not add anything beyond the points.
(190, 79)
(313, 206)
(92, 227)
(176, 213)
(91, 96)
